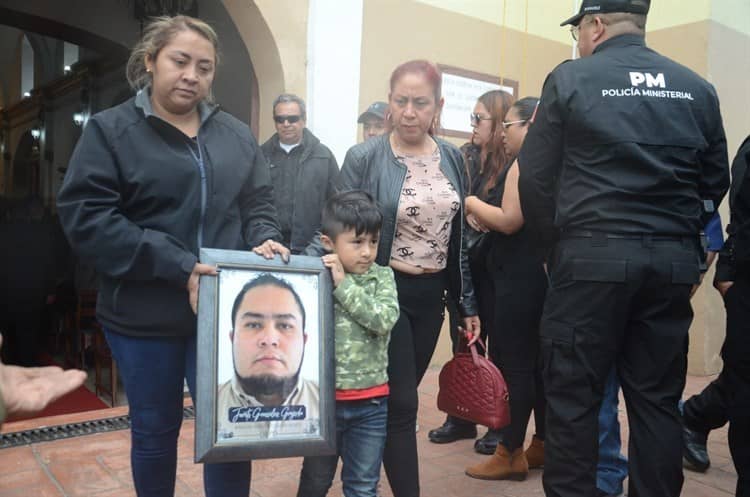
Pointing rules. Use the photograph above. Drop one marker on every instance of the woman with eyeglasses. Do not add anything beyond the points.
(516, 290)
(417, 180)
(484, 162)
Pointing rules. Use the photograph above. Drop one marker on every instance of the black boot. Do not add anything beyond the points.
(694, 453)
(453, 429)
(488, 443)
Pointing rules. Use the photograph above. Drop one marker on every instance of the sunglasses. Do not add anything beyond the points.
(508, 124)
(477, 118)
(290, 119)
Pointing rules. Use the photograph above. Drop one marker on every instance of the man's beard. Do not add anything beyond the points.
(260, 386)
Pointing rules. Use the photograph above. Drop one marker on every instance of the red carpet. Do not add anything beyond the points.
(79, 400)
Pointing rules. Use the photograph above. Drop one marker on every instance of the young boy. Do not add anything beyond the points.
(366, 308)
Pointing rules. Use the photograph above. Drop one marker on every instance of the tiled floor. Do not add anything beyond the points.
(99, 466)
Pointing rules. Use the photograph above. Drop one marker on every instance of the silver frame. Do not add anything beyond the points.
(206, 447)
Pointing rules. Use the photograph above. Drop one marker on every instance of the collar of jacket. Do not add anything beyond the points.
(143, 102)
(306, 146)
(622, 41)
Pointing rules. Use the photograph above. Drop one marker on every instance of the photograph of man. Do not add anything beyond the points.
(266, 396)
(373, 120)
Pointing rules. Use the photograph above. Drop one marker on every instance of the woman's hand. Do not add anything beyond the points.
(472, 329)
(475, 224)
(332, 262)
(723, 287)
(194, 280)
(270, 248)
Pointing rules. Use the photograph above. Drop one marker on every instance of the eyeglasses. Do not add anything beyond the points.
(477, 118)
(508, 124)
(290, 119)
(576, 30)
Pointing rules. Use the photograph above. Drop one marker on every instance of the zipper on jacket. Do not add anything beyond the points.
(202, 170)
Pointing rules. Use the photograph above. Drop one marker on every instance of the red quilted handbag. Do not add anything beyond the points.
(472, 388)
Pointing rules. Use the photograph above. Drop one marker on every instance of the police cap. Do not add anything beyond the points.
(376, 110)
(607, 6)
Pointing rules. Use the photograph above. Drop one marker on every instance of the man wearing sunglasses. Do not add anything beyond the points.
(302, 172)
(623, 167)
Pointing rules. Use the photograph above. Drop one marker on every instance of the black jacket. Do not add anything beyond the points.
(624, 141)
(138, 204)
(734, 258)
(302, 182)
(371, 166)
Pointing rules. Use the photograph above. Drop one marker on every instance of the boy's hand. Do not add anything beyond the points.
(332, 262)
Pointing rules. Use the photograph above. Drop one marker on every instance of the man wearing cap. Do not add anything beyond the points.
(373, 120)
(623, 165)
(302, 172)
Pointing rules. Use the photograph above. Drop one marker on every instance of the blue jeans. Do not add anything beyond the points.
(612, 468)
(360, 438)
(153, 370)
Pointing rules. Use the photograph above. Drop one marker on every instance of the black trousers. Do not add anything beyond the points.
(518, 298)
(708, 410)
(413, 340)
(623, 302)
(728, 397)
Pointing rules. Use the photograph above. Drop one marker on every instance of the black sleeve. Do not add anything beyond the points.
(259, 218)
(714, 162)
(89, 208)
(333, 172)
(349, 178)
(736, 249)
(539, 165)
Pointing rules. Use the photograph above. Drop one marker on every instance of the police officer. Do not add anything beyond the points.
(729, 396)
(620, 171)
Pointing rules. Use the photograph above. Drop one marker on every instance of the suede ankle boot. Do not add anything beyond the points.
(535, 453)
(502, 465)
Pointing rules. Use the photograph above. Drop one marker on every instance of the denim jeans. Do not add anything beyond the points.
(153, 370)
(360, 438)
(612, 468)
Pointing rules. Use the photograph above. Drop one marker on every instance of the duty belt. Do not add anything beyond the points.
(601, 237)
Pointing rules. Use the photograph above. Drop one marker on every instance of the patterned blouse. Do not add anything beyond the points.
(426, 209)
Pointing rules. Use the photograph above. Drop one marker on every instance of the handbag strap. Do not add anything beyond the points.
(464, 343)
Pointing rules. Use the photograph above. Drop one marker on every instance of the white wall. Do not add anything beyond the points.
(334, 41)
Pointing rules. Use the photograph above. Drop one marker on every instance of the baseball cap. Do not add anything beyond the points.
(607, 6)
(376, 109)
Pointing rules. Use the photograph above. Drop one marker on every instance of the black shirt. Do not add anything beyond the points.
(624, 141)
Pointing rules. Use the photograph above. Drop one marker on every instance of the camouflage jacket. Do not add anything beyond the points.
(366, 308)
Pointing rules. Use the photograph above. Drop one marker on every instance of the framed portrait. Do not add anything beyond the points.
(265, 359)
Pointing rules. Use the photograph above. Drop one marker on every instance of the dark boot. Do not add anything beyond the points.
(488, 443)
(453, 429)
(694, 453)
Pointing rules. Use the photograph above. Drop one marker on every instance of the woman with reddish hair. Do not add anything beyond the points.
(417, 180)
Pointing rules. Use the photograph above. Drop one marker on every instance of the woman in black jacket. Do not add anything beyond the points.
(517, 283)
(417, 180)
(150, 182)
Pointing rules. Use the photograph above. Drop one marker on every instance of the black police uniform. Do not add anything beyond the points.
(626, 149)
(729, 396)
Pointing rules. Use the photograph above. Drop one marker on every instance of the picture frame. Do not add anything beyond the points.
(251, 333)
(461, 88)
